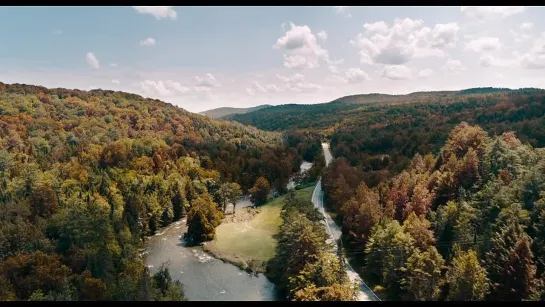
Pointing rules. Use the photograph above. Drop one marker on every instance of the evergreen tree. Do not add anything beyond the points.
(520, 280)
(497, 258)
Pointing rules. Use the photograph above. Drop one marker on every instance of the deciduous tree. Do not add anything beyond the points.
(202, 219)
(259, 193)
(467, 280)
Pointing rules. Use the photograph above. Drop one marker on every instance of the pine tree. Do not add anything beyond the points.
(520, 281)
(503, 243)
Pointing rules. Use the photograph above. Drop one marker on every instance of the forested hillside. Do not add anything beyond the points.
(440, 195)
(383, 139)
(85, 176)
(295, 116)
(326, 115)
(382, 136)
(463, 224)
(226, 111)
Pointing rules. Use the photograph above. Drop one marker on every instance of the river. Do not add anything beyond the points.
(206, 278)
(305, 166)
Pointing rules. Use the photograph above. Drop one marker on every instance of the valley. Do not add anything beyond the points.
(164, 185)
(272, 154)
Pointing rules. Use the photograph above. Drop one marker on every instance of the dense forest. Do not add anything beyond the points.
(464, 224)
(381, 133)
(324, 115)
(441, 195)
(85, 176)
(226, 111)
(304, 268)
(295, 116)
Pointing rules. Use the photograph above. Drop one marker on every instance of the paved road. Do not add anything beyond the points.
(334, 231)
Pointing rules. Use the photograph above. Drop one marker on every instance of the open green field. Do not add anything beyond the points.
(254, 239)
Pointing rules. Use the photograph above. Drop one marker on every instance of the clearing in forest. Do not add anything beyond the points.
(252, 239)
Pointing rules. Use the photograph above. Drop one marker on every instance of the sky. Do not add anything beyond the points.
(200, 58)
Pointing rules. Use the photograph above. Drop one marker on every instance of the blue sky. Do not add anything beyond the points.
(204, 57)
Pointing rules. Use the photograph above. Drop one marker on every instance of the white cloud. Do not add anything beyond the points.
(482, 44)
(57, 31)
(333, 69)
(454, 67)
(301, 50)
(297, 83)
(158, 12)
(208, 80)
(113, 65)
(155, 88)
(379, 27)
(332, 65)
(488, 60)
(295, 78)
(342, 10)
(533, 61)
(488, 12)
(170, 88)
(534, 58)
(404, 40)
(442, 35)
(396, 72)
(538, 45)
(520, 37)
(336, 79)
(273, 88)
(425, 73)
(92, 61)
(526, 26)
(115, 81)
(322, 35)
(259, 87)
(148, 42)
(356, 75)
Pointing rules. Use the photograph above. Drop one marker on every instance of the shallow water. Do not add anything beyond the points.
(205, 278)
(305, 166)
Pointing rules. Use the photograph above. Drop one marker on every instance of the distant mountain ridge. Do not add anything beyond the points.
(328, 116)
(419, 96)
(226, 111)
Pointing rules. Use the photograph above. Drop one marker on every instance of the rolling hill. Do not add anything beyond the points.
(324, 116)
(364, 128)
(227, 111)
(85, 176)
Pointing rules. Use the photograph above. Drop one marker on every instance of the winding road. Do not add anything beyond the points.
(334, 231)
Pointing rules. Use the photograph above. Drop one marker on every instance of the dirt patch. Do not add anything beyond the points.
(241, 215)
